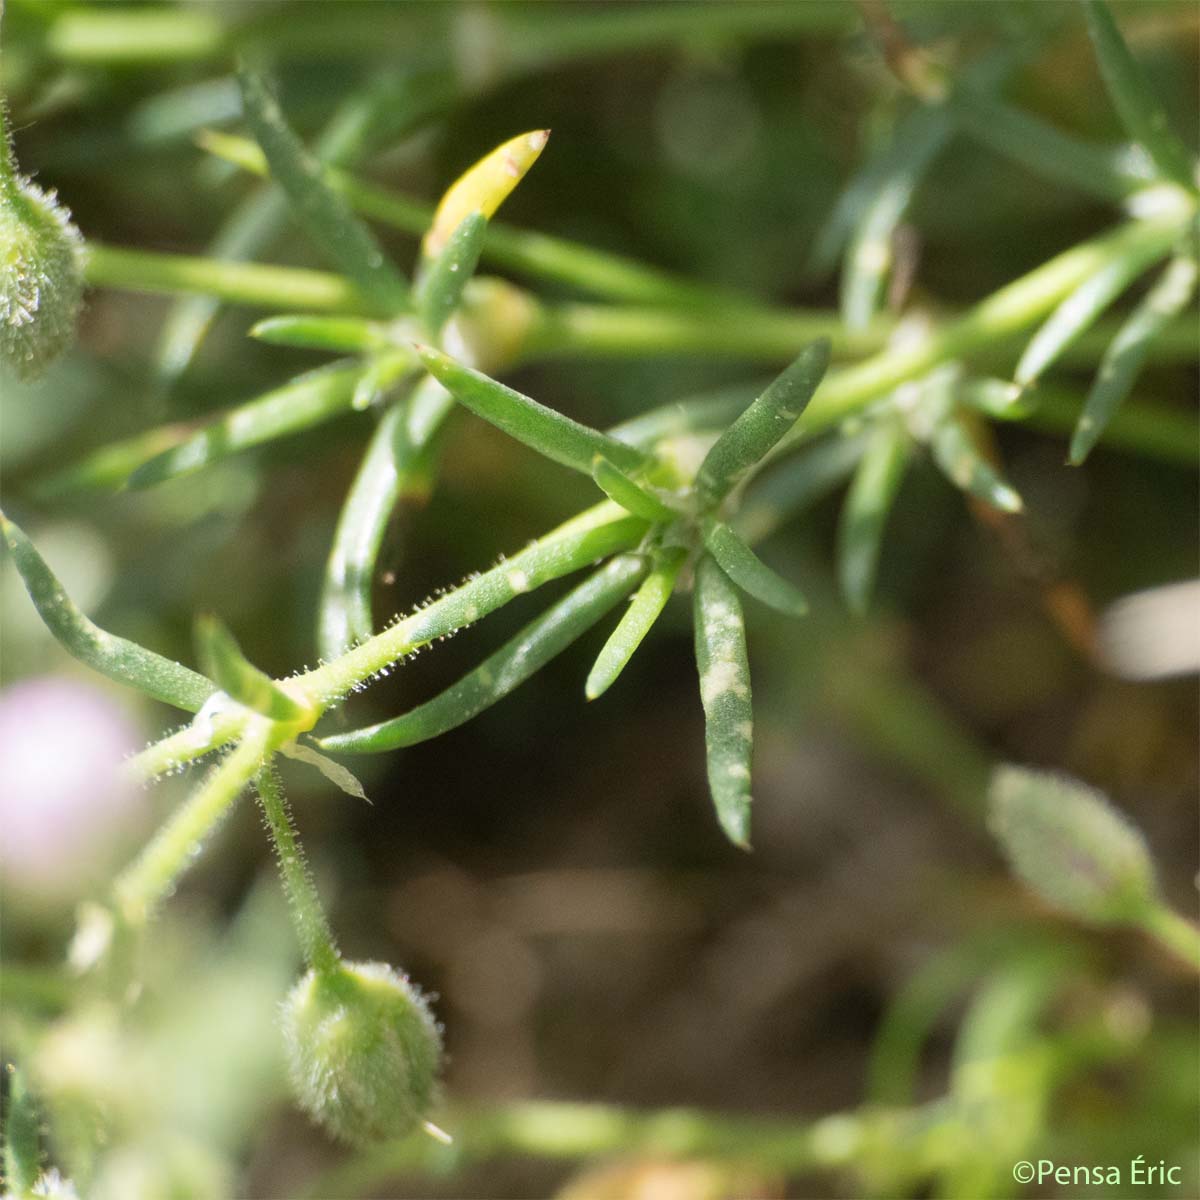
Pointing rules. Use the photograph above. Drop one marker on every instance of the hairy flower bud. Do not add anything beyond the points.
(363, 1051)
(1071, 846)
(41, 273)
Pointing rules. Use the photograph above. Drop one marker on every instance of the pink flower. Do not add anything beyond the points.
(66, 810)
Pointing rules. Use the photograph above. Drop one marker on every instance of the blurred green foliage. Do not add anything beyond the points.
(867, 1005)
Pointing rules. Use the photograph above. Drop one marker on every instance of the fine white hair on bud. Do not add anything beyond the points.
(363, 1051)
(41, 272)
(1068, 843)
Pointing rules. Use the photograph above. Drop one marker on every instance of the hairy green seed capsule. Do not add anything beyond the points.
(363, 1051)
(41, 275)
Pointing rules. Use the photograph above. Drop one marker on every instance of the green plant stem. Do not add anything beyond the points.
(596, 533)
(1174, 933)
(522, 40)
(308, 916)
(188, 744)
(1003, 314)
(768, 335)
(154, 874)
(254, 284)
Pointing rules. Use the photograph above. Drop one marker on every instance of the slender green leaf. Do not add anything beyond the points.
(255, 221)
(1140, 110)
(1084, 305)
(343, 335)
(631, 496)
(22, 1142)
(223, 659)
(749, 571)
(960, 460)
(502, 672)
(762, 424)
(1144, 427)
(725, 693)
(442, 280)
(397, 466)
(865, 513)
(1122, 362)
(868, 259)
(1044, 149)
(119, 659)
(541, 428)
(326, 215)
(305, 401)
(644, 609)
(109, 467)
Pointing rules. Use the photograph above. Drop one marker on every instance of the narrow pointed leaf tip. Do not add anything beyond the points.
(749, 572)
(725, 693)
(484, 187)
(240, 679)
(542, 429)
(762, 424)
(119, 659)
(648, 602)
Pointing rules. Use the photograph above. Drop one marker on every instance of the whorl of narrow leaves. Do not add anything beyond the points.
(119, 659)
(325, 214)
(483, 187)
(1068, 843)
(542, 429)
(363, 1051)
(223, 660)
(725, 693)
(41, 270)
(749, 571)
(1088, 302)
(762, 424)
(502, 672)
(1140, 110)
